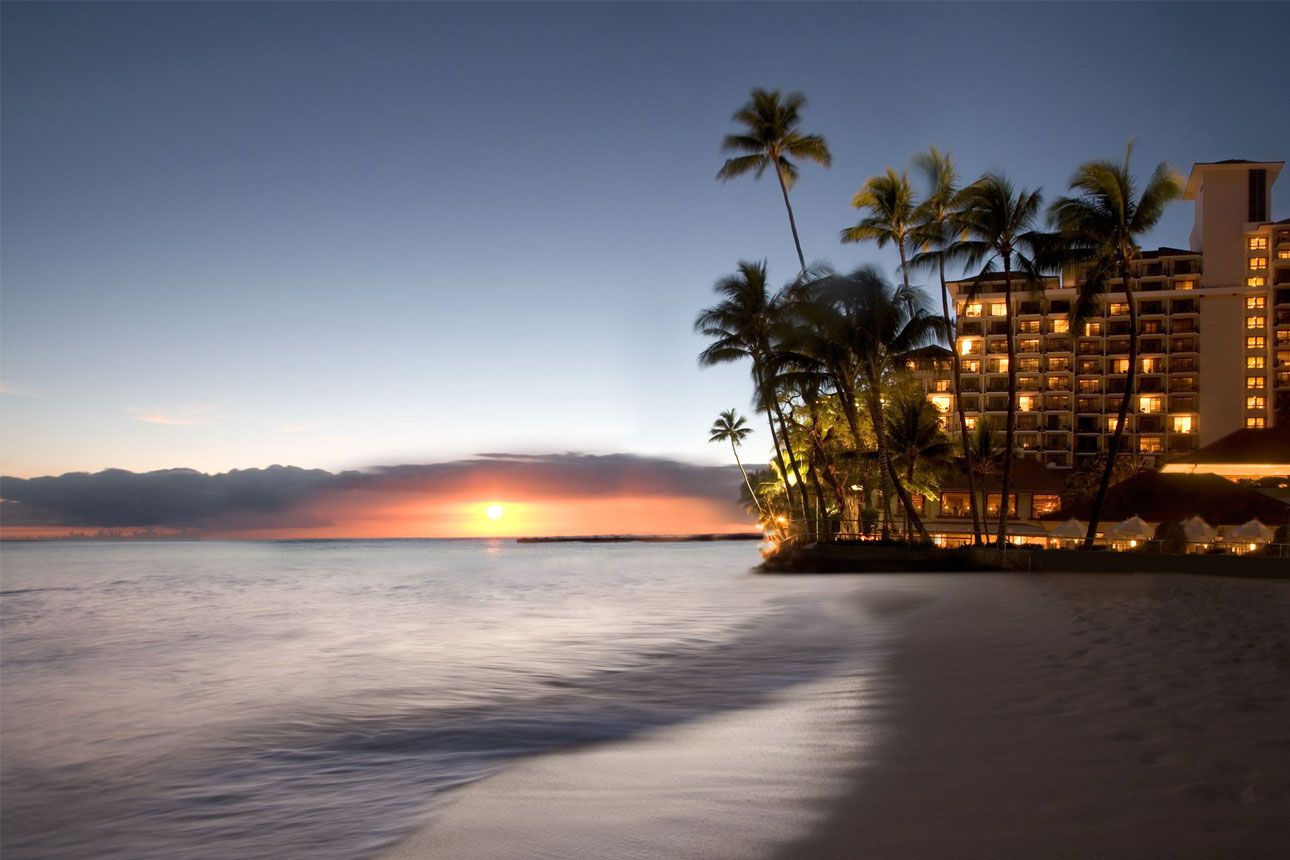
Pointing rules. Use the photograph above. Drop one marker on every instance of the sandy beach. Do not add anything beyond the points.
(1052, 716)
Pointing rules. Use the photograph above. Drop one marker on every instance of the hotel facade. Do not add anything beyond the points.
(1214, 338)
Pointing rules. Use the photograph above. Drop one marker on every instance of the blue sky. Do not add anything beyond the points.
(340, 235)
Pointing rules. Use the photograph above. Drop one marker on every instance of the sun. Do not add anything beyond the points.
(494, 512)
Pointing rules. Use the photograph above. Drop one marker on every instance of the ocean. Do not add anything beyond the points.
(323, 699)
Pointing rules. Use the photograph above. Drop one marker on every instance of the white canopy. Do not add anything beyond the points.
(1199, 531)
(1134, 528)
(1251, 532)
(1071, 529)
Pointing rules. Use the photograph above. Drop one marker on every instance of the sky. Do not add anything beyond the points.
(341, 236)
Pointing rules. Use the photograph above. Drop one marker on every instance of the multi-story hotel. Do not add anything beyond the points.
(1214, 329)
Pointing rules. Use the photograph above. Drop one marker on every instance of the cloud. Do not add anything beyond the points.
(291, 498)
(177, 416)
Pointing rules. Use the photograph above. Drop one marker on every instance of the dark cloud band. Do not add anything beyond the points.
(280, 496)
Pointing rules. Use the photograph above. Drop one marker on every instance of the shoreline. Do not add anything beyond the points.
(1078, 716)
(1003, 715)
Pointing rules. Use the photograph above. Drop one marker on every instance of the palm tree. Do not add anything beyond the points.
(1100, 226)
(731, 427)
(917, 441)
(770, 136)
(740, 327)
(998, 221)
(889, 200)
(862, 329)
(934, 234)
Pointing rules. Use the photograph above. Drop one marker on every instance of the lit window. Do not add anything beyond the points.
(998, 309)
(1257, 281)
(1256, 422)
(1061, 326)
(1152, 365)
(1255, 342)
(1257, 263)
(1255, 303)
(968, 346)
(1185, 285)
(942, 385)
(1092, 329)
(1182, 423)
(1255, 402)
(1119, 309)
(1254, 362)
(992, 504)
(1026, 403)
(1256, 382)
(1120, 365)
(955, 505)
(972, 309)
(1283, 254)
(943, 402)
(1150, 445)
(1148, 403)
(1112, 421)
(970, 421)
(1042, 504)
(972, 365)
(999, 365)
(1258, 243)
(1255, 321)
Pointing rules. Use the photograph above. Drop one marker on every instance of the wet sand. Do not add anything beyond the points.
(1078, 716)
(1003, 715)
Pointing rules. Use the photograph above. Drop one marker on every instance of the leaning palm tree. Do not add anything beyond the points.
(769, 138)
(933, 233)
(1100, 227)
(864, 328)
(998, 221)
(740, 327)
(889, 203)
(733, 428)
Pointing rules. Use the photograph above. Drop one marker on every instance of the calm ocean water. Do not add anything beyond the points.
(315, 699)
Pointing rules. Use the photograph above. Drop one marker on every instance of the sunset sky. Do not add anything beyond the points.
(344, 236)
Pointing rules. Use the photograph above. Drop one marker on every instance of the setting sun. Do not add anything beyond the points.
(494, 512)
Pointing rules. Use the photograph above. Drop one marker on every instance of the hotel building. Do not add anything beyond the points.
(1214, 337)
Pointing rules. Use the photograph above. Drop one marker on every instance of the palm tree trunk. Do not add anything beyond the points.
(1130, 378)
(774, 436)
(888, 480)
(957, 366)
(792, 222)
(1010, 425)
(792, 460)
(734, 450)
(904, 264)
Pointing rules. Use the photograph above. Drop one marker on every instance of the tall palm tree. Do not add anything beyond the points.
(933, 233)
(733, 428)
(769, 138)
(740, 327)
(889, 201)
(998, 221)
(864, 329)
(1100, 226)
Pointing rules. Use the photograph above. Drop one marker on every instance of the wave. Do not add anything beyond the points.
(340, 779)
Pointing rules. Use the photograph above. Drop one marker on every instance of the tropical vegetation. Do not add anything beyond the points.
(856, 441)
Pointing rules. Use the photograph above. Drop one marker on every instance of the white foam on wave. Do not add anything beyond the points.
(731, 785)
